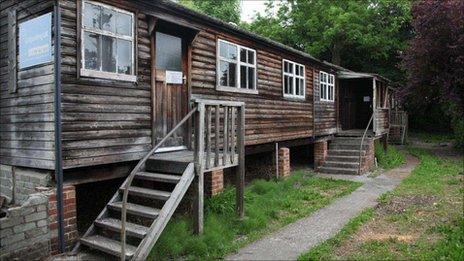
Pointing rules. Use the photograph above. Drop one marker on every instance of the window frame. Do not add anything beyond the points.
(325, 86)
(99, 73)
(239, 63)
(294, 77)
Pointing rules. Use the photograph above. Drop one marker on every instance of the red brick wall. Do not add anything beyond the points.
(284, 162)
(214, 182)
(320, 153)
(368, 159)
(69, 219)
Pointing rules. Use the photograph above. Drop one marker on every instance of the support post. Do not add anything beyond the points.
(199, 169)
(240, 179)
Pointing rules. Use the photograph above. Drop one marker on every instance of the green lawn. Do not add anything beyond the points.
(420, 219)
(389, 159)
(269, 205)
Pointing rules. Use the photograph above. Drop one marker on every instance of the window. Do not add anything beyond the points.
(168, 52)
(327, 86)
(236, 67)
(107, 42)
(293, 79)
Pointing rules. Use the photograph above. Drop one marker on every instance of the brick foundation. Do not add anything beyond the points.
(320, 153)
(214, 182)
(368, 159)
(284, 162)
(69, 218)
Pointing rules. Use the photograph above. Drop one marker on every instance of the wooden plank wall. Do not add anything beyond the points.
(382, 120)
(325, 113)
(269, 116)
(26, 114)
(104, 121)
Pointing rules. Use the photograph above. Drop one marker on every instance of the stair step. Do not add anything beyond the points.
(347, 146)
(165, 166)
(158, 177)
(148, 193)
(331, 170)
(135, 209)
(338, 164)
(107, 245)
(338, 152)
(342, 158)
(115, 225)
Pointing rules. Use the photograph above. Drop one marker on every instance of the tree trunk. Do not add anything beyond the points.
(336, 57)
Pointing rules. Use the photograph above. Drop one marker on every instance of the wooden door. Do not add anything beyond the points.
(170, 90)
(348, 107)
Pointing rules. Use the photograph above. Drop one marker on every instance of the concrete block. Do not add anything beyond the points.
(35, 216)
(24, 227)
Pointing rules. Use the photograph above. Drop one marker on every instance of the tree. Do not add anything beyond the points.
(434, 62)
(226, 10)
(362, 35)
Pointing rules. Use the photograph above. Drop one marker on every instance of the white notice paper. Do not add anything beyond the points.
(174, 77)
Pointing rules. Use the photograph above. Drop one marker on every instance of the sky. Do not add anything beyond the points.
(250, 8)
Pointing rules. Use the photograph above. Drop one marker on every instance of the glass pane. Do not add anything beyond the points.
(232, 75)
(223, 49)
(92, 51)
(223, 70)
(302, 87)
(92, 16)
(108, 20)
(108, 54)
(243, 55)
(168, 52)
(124, 24)
(297, 85)
(232, 52)
(243, 76)
(290, 67)
(251, 78)
(322, 91)
(251, 57)
(124, 57)
(290, 85)
(285, 67)
(301, 70)
(286, 85)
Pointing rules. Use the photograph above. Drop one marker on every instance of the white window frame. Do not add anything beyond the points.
(102, 74)
(326, 85)
(294, 79)
(239, 63)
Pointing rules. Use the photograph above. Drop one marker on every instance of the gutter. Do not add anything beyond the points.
(58, 147)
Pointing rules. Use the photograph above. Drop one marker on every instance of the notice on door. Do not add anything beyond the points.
(174, 77)
(35, 41)
(367, 98)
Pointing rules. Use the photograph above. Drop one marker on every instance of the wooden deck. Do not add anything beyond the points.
(187, 156)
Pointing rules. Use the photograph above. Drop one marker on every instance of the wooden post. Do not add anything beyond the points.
(199, 157)
(12, 62)
(240, 179)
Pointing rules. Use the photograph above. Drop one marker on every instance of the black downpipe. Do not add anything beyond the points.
(58, 155)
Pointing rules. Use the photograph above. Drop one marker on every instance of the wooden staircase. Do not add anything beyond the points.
(153, 197)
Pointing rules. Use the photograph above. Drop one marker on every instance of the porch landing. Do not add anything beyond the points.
(188, 156)
(355, 133)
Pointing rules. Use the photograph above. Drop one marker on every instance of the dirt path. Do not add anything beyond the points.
(291, 241)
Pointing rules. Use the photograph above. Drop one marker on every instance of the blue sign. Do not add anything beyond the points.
(35, 41)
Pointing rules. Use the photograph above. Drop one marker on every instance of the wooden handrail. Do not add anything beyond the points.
(362, 141)
(132, 175)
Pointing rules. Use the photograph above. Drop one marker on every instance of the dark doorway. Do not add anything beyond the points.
(355, 103)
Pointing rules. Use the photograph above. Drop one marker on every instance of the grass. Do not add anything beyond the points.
(269, 205)
(431, 137)
(389, 159)
(420, 219)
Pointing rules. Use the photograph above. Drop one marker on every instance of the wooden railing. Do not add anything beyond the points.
(399, 120)
(362, 142)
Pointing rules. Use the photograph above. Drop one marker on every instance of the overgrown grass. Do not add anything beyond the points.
(269, 205)
(420, 220)
(389, 159)
(432, 137)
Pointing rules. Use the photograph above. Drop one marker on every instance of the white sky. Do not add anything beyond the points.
(250, 8)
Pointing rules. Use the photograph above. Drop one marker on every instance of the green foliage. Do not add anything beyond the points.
(268, 206)
(389, 159)
(226, 10)
(361, 35)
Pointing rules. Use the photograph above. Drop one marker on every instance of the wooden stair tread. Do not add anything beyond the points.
(168, 178)
(148, 193)
(136, 209)
(113, 224)
(108, 245)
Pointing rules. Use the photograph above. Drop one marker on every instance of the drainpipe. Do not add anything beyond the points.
(58, 155)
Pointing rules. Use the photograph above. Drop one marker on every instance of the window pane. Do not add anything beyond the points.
(91, 16)
(302, 87)
(251, 78)
(223, 49)
(243, 76)
(290, 67)
(286, 84)
(92, 51)
(108, 54)
(124, 56)
(297, 86)
(223, 72)
(232, 52)
(285, 66)
(251, 57)
(301, 70)
(168, 52)
(108, 20)
(243, 54)
(290, 85)
(124, 24)
(232, 75)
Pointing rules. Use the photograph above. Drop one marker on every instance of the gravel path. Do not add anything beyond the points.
(297, 238)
